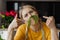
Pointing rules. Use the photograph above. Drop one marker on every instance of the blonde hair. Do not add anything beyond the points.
(25, 6)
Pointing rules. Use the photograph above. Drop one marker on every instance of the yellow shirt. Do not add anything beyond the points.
(20, 34)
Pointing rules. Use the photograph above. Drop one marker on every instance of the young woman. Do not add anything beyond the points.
(38, 31)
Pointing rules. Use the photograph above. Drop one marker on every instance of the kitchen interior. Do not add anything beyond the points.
(45, 7)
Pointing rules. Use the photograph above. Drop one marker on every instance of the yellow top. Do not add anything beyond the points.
(20, 34)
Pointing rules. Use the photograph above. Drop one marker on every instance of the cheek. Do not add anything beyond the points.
(25, 18)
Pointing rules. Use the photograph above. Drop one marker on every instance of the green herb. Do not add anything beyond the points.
(35, 19)
(29, 22)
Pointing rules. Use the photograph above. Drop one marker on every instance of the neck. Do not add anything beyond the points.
(36, 27)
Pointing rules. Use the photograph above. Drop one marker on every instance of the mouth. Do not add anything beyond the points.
(35, 18)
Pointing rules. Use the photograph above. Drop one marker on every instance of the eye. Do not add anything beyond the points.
(30, 12)
(26, 15)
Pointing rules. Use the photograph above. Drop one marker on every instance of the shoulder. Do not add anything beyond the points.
(22, 27)
(46, 29)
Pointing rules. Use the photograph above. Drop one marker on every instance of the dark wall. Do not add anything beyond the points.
(44, 8)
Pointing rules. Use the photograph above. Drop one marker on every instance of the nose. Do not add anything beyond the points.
(29, 15)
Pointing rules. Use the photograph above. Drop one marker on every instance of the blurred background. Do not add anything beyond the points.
(47, 8)
(9, 8)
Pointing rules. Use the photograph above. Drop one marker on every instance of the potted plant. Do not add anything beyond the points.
(7, 17)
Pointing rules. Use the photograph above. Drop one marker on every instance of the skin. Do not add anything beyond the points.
(50, 22)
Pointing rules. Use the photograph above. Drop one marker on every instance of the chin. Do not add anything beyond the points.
(32, 23)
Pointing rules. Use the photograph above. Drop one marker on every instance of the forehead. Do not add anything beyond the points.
(27, 9)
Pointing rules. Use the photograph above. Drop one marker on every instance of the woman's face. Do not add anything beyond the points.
(27, 13)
